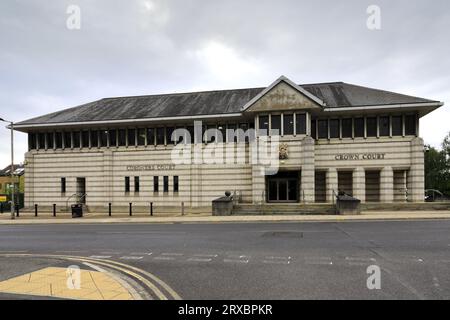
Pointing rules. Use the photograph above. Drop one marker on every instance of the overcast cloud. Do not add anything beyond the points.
(158, 46)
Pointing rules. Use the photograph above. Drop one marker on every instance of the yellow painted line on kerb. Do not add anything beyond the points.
(117, 266)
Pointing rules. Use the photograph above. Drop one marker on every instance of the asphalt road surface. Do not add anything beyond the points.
(257, 260)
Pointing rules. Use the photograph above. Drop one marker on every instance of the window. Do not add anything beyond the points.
(76, 139)
(210, 136)
(127, 184)
(397, 126)
(112, 138)
(31, 141)
(288, 124)
(231, 133)
(313, 129)
(222, 128)
(359, 128)
(263, 125)
(150, 137)
(385, 130)
(131, 137)
(176, 186)
(94, 139)
(323, 129)
(371, 127)
(244, 134)
(276, 125)
(58, 140)
(191, 135)
(103, 138)
(410, 125)
(160, 136)
(155, 184)
(169, 133)
(49, 140)
(67, 140)
(63, 185)
(137, 186)
(300, 123)
(166, 184)
(41, 141)
(85, 139)
(122, 138)
(141, 137)
(334, 128)
(347, 130)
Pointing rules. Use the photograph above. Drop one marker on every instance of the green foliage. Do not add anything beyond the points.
(437, 168)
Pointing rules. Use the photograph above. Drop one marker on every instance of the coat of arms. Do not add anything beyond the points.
(283, 151)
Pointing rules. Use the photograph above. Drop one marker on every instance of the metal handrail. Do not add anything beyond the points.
(81, 196)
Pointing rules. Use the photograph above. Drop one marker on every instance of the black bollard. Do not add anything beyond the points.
(131, 209)
(110, 209)
(1, 207)
(151, 209)
(17, 210)
(54, 210)
(35, 210)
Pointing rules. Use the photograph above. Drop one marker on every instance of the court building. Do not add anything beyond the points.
(330, 137)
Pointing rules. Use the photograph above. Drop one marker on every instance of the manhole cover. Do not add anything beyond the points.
(284, 234)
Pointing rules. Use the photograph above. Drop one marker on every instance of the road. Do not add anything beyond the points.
(257, 260)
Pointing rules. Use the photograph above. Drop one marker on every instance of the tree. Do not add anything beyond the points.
(437, 170)
(446, 145)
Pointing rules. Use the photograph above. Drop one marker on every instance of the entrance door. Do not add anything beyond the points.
(81, 190)
(283, 187)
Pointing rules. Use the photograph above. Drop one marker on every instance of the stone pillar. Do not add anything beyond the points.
(332, 184)
(387, 185)
(29, 180)
(307, 190)
(258, 184)
(108, 178)
(359, 184)
(416, 176)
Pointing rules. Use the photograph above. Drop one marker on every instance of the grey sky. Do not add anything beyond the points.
(158, 46)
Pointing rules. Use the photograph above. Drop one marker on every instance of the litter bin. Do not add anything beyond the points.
(77, 211)
(347, 205)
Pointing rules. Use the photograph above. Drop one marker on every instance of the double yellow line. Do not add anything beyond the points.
(156, 286)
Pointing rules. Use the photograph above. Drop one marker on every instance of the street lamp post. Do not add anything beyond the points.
(11, 125)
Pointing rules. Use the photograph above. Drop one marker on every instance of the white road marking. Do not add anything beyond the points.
(100, 257)
(234, 261)
(206, 255)
(172, 254)
(164, 258)
(131, 258)
(278, 258)
(199, 260)
(149, 254)
(360, 259)
(276, 262)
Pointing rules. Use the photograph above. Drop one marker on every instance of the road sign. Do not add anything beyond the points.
(3, 199)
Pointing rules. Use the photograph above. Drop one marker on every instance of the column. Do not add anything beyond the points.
(307, 194)
(416, 176)
(29, 180)
(108, 180)
(359, 184)
(387, 185)
(332, 184)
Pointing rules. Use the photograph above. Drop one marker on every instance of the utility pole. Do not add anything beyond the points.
(13, 189)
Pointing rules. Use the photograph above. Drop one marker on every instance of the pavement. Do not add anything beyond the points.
(206, 218)
(264, 260)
